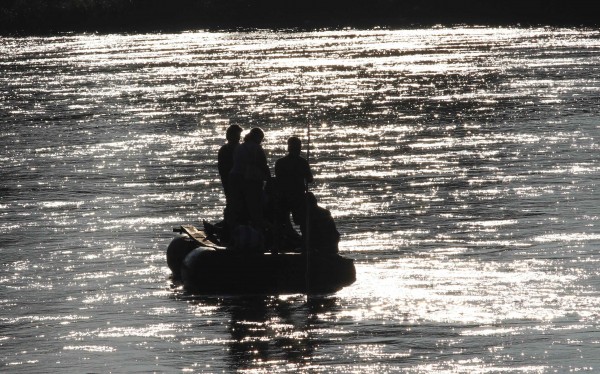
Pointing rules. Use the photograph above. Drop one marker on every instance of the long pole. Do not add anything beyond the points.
(307, 231)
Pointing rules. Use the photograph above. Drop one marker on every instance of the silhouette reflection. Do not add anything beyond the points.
(272, 330)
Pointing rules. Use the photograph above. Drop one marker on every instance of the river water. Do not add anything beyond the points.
(461, 166)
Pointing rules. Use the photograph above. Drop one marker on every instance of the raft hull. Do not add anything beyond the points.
(213, 270)
(208, 271)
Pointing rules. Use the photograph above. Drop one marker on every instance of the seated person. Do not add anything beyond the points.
(323, 234)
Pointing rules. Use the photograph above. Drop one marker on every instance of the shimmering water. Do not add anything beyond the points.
(461, 165)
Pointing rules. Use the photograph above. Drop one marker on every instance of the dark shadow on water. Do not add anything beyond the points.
(271, 329)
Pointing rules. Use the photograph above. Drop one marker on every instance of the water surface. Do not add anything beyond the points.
(461, 166)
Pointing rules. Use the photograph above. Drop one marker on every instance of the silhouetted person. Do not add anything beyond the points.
(225, 156)
(323, 234)
(292, 173)
(246, 180)
(225, 164)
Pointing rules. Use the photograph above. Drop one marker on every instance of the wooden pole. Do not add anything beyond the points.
(307, 231)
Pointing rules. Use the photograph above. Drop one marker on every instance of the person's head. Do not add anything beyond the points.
(294, 145)
(256, 135)
(233, 134)
(311, 199)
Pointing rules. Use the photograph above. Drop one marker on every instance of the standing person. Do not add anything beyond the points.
(225, 164)
(246, 180)
(292, 173)
(225, 156)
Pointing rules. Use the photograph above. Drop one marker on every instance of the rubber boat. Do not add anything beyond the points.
(206, 268)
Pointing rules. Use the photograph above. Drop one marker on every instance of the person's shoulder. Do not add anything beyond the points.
(300, 162)
(227, 147)
(245, 146)
(324, 211)
(284, 159)
(252, 147)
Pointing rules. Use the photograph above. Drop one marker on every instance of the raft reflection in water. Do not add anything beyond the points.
(281, 330)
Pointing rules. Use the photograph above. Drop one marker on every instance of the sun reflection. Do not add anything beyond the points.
(455, 292)
(89, 348)
(458, 167)
(567, 238)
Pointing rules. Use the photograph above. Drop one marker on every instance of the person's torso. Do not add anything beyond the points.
(291, 174)
(245, 154)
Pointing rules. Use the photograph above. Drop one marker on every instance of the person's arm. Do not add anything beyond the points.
(278, 169)
(262, 162)
(222, 164)
(308, 173)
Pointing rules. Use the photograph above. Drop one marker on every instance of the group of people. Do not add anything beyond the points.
(257, 202)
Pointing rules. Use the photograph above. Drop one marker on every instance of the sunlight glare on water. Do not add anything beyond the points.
(460, 165)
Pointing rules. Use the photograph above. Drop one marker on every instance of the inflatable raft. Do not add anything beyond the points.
(206, 268)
